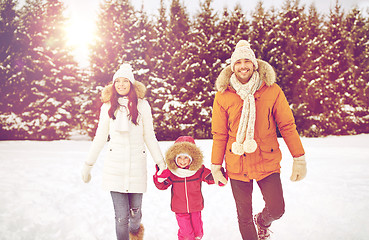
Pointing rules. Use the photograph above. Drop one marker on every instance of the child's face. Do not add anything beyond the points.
(183, 161)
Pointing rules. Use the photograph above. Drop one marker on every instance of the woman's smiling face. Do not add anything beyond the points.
(122, 86)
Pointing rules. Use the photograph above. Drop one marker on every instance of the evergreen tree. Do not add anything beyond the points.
(113, 39)
(290, 55)
(355, 102)
(200, 69)
(334, 72)
(310, 106)
(141, 45)
(233, 27)
(111, 47)
(8, 54)
(292, 49)
(262, 33)
(159, 90)
(48, 86)
(175, 79)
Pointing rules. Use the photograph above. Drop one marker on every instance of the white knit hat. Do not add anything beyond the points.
(124, 71)
(243, 51)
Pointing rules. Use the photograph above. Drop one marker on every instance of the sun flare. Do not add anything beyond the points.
(80, 34)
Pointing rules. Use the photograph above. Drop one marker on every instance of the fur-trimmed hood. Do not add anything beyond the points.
(184, 147)
(108, 90)
(266, 72)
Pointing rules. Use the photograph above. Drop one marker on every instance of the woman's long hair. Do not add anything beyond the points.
(132, 104)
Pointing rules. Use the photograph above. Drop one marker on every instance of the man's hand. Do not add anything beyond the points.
(218, 176)
(298, 169)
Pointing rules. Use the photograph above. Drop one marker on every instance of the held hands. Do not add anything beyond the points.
(219, 178)
(298, 169)
(86, 172)
(161, 174)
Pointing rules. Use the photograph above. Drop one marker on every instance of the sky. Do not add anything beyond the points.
(83, 14)
(43, 196)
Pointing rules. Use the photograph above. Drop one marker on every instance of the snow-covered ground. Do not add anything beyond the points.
(43, 197)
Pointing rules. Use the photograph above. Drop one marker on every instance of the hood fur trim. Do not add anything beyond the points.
(266, 72)
(184, 147)
(108, 91)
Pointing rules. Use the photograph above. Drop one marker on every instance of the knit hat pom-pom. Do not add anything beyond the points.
(237, 148)
(249, 146)
(125, 71)
(243, 43)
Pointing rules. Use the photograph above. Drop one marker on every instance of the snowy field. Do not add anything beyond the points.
(43, 197)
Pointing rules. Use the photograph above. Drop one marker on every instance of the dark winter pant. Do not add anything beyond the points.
(190, 226)
(271, 189)
(127, 207)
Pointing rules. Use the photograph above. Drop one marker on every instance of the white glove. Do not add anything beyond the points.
(298, 169)
(86, 172)
(217, 174)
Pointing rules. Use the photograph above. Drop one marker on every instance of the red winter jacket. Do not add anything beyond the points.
(186, 191)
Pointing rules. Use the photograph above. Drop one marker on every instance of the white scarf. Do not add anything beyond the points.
(121, 118)
(180, 172)
(245, 134)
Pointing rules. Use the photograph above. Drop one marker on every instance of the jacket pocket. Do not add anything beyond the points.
(233, 161)
(270, 154)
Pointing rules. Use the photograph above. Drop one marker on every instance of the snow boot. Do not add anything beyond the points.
(138, 235)
(263, 232)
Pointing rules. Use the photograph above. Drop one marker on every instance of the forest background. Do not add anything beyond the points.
(321, 62)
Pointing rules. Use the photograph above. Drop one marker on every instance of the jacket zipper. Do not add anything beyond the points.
(188, 207)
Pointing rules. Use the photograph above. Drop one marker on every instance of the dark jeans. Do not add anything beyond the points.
(127, 207)
(271, 189)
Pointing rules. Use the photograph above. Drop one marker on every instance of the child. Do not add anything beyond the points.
(185, 174)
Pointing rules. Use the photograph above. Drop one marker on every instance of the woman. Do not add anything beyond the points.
(126, 118)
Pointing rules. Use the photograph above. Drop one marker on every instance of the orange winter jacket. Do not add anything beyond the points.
(272, 110)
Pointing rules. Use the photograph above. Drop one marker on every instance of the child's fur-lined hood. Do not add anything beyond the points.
(266, 72)
(108, 90)
(184, 147)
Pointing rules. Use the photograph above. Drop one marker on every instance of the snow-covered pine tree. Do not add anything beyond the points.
(179, 27)
(8, 52)
(199, 69)
(223, 37)
(48, 86)
(159, 90)
(262, 32)
(140, 47)
(310, 103)
(233, 26)
(292, 49)
(335, 71)
(110, 48)
(356, 104)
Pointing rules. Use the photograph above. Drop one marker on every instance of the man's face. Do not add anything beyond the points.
(243, 69)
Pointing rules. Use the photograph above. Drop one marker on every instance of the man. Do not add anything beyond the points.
(247, 108)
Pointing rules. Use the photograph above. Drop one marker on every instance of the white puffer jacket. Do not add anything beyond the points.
(125, 168)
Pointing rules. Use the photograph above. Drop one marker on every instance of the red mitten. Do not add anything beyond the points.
(164, 174)
(161, 175)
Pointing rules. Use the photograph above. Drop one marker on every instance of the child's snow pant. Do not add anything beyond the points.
(190, 226)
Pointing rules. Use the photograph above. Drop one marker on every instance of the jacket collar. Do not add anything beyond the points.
(266, 72)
